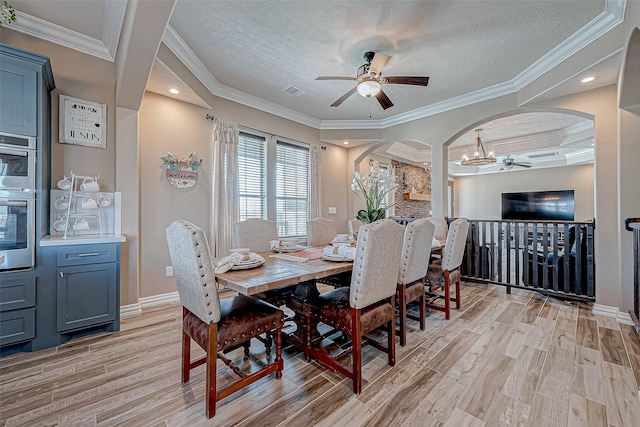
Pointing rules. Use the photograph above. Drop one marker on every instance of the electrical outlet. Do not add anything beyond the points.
(332, 210)
(168, 271)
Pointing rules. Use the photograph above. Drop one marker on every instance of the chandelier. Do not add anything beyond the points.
(479, 156)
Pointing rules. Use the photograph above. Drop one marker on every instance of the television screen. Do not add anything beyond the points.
(539, 205)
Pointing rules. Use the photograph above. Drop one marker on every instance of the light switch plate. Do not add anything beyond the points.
(332, 210)
(168, 271)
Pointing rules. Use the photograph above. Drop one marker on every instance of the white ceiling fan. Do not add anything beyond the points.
(508, 163)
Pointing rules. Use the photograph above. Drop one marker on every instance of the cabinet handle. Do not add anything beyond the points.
(61, 275)
(89, 254)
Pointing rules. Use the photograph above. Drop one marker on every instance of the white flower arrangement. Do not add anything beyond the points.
(171, 161)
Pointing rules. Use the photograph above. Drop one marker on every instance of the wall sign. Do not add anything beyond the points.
(82, 122)
(182, 177)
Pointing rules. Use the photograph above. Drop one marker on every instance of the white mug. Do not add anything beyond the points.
(60, 225)
(64, 184)
(90, 185)
(104, 201)
(81, 224)
(88, 202)
(61, 204)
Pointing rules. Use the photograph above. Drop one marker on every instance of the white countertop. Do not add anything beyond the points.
(88, 239)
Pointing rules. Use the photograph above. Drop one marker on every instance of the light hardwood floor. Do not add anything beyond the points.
(503, 360)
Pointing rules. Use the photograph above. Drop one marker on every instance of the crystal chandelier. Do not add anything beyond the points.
(479, 156)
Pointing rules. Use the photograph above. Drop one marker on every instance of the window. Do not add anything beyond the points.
(292, 189)
(273, 180)
(252, 176)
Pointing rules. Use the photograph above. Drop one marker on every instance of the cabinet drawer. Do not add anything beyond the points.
(86, 254)
(17, 326)
(17, 291)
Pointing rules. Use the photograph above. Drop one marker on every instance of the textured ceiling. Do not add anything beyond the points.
(261, 47)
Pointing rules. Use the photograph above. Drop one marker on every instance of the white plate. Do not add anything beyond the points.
(338, 258)
(249, 262)
(346, 242)
(287, 249)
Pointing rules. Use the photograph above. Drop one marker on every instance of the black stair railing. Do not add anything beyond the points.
(633, 224)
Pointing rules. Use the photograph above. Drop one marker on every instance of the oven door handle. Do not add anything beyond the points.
(14, 153)
(12, 203)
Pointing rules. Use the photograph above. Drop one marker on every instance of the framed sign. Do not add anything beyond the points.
(82, 122)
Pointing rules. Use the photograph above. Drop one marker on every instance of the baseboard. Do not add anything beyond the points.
(130, 310)
(159, 299)
(605, 310)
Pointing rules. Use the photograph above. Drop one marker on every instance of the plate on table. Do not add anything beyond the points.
(338, 258)
(288, 248)
(245, 265)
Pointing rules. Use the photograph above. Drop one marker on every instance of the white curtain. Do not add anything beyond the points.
(224, 186)
(315, 178)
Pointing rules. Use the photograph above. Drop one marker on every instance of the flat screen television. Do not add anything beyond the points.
(539, 205)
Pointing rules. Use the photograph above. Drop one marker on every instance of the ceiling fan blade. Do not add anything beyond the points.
(378, 63)
(384, 100)
(334, 78)
(408, 80)
(524, 165)
(343, 97)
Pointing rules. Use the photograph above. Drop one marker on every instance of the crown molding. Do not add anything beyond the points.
(184, 53)
(114, 11)
(39, 28)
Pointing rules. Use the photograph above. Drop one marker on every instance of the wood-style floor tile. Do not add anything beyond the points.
(502, 360)
(613, 349)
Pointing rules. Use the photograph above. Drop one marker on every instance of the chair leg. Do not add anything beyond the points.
(186, 351)
(447, 297)
(458, 295)
(391, 340)
(279, 360)
(356, 349)
(212, 356)
(423, 311)
(402, 308)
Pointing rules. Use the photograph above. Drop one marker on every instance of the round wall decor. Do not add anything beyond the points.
(182, 177)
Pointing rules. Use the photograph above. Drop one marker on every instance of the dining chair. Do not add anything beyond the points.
(368, 303)
(414, 263)
(354, 226)
(440, 233)
(321, 231)
(255, 234)
(440, 276)
(216, 325)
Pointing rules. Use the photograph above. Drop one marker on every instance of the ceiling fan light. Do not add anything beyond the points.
(368, 88)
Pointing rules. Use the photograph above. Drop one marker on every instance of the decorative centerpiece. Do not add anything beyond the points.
(181, 173)
(372, 189)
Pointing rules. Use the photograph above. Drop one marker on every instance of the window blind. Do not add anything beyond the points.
(252, 176)
(292, 189)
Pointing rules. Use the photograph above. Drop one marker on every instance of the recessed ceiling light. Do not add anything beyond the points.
(174, 91)
(588, 79)
(346, 143)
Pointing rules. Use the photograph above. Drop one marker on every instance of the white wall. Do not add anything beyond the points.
(479, 196)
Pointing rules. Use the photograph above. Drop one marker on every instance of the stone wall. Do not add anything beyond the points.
(411, 178)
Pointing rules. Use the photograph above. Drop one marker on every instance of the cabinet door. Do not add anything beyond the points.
(18, 102)
(86, 296)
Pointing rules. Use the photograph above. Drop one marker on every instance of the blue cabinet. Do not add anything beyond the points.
(17, 307)
(18, 107)
(87, 288)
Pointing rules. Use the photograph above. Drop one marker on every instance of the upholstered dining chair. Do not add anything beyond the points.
(216, 325)
(320, 231)
(367, 304)
(442, 228)
(414, 262)
(354, 226)
(442, 275)
(255, 234)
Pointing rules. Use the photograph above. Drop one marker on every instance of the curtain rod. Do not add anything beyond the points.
(210, 117)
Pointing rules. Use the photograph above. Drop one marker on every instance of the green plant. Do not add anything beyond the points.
(171, 161)
(372, 189)
(8, 14)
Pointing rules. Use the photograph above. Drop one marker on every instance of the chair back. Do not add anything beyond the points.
(377, 262)
(354, 226)
(193, 270)
(456, 242)
(441, 231)
(255, 234)
(416, 251)
(320, 231)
